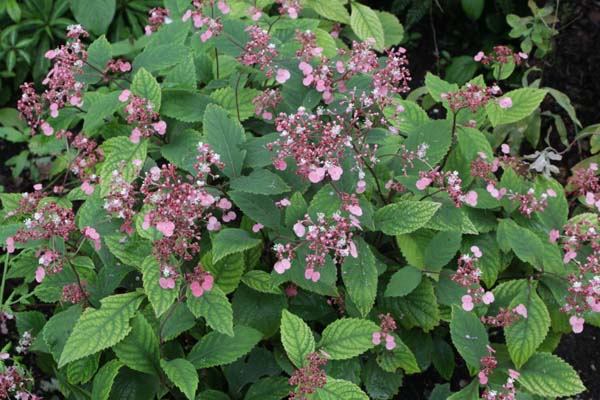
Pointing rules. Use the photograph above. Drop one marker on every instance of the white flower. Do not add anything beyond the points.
(543, 162)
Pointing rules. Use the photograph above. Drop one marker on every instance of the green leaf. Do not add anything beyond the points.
(182, 149)
(226, 98)
(366, 24)
(98, 329)
(468, 335)
(336, 389)
(410, 119)
(403, 282)
(104, 379)
(227, 272)
(524, 243)
(269, 388)
(548, 375)
(393, 31)
(441, 249)
(400, 357)
(98, 55)
(524, 102)
(119, 150)
(418, 308)
(297, 338)
(330, 9)
(404, 216)
(146, 86)
(133, 251)
(360, 277)
(82, 370)
(258, 207)
(95, 16)
(225, 137)
(436, 86)
(139, 350)
(157, 57)
(473, 8)
(524, 336)
(247, 304)
(184, 105)
(230, 241)
(101, 108)
(160, 299)
(59, 328)
(260, 181)
(261, 282)
(215, 308)
(219, 349)
(564, 101)
(347, 338)
(437, 135)
(183, 374)
(470, 392)
(557, 211)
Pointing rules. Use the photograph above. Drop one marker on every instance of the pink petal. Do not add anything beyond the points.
(488, 298)
(335, 172)
(257, 227)
(196, 289)
(356, 210)
(166, 283)
(521, 310)
(10, 245)
(40, 273)
(316, 175)
(471, 198)
(423, 183)
(376, 338)
(160, 127)
(299, 229)
(166, 228)
(282, 75)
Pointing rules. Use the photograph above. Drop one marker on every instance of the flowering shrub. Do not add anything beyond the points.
(250, 197)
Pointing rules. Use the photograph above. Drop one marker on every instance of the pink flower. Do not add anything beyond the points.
(223, 7)
(521, 310)
(87, 188)
(4, 356)
(590, 198)
(282, 266)
(353, 250)
(551, 193)
(54, 110)
(37, 187)
(135, 135)
(124, 96)
(280, 165)
(137, 162)
(224, 204)
(47, 129)
(92, 234)
(230, 216)
(423, 183)
(312, 275)
(390, 342)
(160, 127)
(361, 186)
(299, 229)
(205, 36)
(524, 56)
(467, 302)
(166, 283)
(40, 273)
(197, 289)
(207, 283)
(213, 224)
(488, 298)
(479, 56)
(576, 323)
(594, 167)
(306, 68)
(505, 102)
(376, 339)
(356, 210)
(554, 235)
(569, 256)
(513, 374)
(284, 202)
(282, 75)
(257, 227)
(335, 172)
(471, 198)
(50, 54)
(476, 251)
(10, 245)
(166, 228)
(483, 379)
(505, 148)
(316, 175)
(206, 199)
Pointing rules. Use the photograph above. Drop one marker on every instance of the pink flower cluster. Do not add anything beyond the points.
(200, 281)
(489, 364)
(259, 51)
(201, 19)
(82, 166)
(308, 378)
(528, 203)
(156, 18)
(13, 385)
(266, 102)
(388, 326)
(289, 7)
(73, 293)
(449, 182)
(116, 66)
(500, 55)
(322, 237)
(468, 276)
(584, 284)
(140, 112)
(506, 317)
(120, 200)
(473, 97)
(587, 184)
(62, 86)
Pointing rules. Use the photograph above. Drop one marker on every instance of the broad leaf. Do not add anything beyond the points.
(548, 375)
(347, 338)
(360, 278)
(297, 338)
(183, 374)
(405, 216)
(468, 335)
(219, 349)
(225, 137)
(215, 308)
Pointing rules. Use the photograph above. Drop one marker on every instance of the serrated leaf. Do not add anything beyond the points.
(146, 86)
(336, 389)
(360, 277)
(404, 216)
(297, 338)
(524, 336)
(468, 335)
(82, 370)
(102, 107)
(259, 207)
(523, 242)
(59, 328)
(330, 9)
(269, 388)
(132, 251)
(184, 105)
(215, 308)
(219, 349)
(441, 249)
(139, 350)
(260, 181)
(403, 282)
(98, 55)
(230, 241)
(160, 299)
(183, 374)
(548, 375)
(107, 326)
(225, 137)
(119, 150)
(347, 338)
(470, 392)
(104, 379)
(393, 31)
(418, 308)
(524, 102)
(95, 16)
(182, 149)
(227, 272)
(242, 103)
(436, 86)
(400, 357)
(366, 24)
(261, 282)
(156, 57)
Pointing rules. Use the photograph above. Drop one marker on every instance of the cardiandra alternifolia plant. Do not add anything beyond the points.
(248, 203)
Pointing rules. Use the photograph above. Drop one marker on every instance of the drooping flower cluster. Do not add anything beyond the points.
(156, 18)
(581, 237)
(140, 113)
(388, 326)
(62, 86)
(308, 46)
(259, 51)
(49, 261)
(116, 66)
(289, 7)
(500, 55)
(468, 276)
(308, 378)
(13, 385)
(325, 236)
(201, 19)
(82, 166)
(506, 316)
(200, 281)
(528, 203)
(586, 183)
(393, 78)
(74, 293)
(449, 182)
(489, 363)
(266, 103)
(120, 199)
(473, 97)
